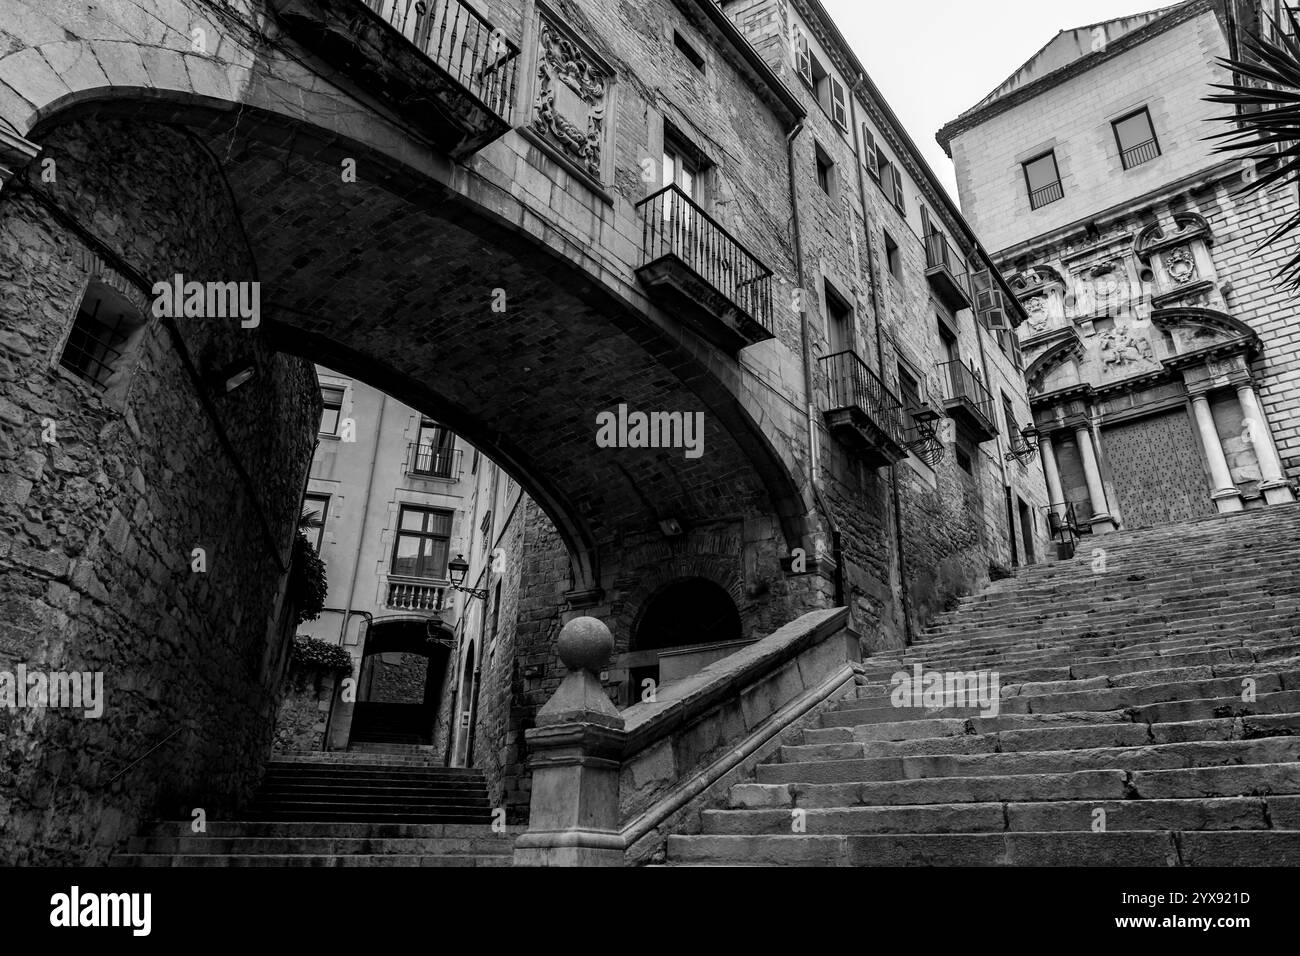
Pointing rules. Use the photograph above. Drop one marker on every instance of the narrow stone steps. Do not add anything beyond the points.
(308, 859)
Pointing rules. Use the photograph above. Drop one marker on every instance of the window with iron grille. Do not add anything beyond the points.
(1136, 138)
(102, 336)
(423, 538)
(1043, 179)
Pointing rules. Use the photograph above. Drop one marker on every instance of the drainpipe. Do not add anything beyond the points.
(365, 514)
(988, 384)
(880, 363)
(806, 343)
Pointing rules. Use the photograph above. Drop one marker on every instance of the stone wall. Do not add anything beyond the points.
(99, 524)
(304, 710)
(398, 682)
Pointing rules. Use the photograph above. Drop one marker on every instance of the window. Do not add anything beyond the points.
(688, 51)
(839, 321)
(949, 340)
(1009, 415)
(315, 509)
(423, 537)
(963, 457)
(909, 392)
(824, 170)
(105, 330)
(892, 257)
(332, 399)
(891, 181)
(802, 56)
(434, 450)
(1044, 180)
(1136, 138)
(473, 466)
(485, 529)
(869, 153)
(837, 106)
(496, 610)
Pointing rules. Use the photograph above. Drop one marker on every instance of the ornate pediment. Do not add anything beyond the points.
(1186, 227)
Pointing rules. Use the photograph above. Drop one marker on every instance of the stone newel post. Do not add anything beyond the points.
(575, 755)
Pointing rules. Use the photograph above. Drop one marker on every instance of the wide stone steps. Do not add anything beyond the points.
(1148, 715)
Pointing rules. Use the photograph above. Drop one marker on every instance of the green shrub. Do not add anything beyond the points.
(310, 653)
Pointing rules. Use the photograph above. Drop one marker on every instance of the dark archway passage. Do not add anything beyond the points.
(684, 626)
(399, 685)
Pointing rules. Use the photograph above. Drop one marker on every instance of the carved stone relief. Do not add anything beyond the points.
(572, 97)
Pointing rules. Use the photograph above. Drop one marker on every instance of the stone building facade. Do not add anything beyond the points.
(1164, 362)
(700, 211)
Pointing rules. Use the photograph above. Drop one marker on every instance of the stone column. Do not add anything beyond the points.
(1225, 494)
(1277, 490)
(1053, 474)
(575, 754)
(1102, 522)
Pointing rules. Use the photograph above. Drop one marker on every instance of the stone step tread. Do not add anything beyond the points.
(307, 859)
(1213, 813)
(1132, 848)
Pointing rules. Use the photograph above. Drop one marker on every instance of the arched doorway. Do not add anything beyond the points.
(685, 626)
(399, 685)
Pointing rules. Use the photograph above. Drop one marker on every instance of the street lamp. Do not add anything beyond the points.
(1028, 447)
(457, 570)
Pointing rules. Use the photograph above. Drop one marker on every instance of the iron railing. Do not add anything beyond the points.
(675, 226)
(854, 385)
(1047, 194)
(960, 383)
(1139, 154)
(432, 461)
(413, 594)
(460, 41)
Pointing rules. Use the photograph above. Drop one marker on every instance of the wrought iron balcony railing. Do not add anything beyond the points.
(947, 272)
(440, 62)
(1139, 154)
(433, 461)
(687, 254)
(415, 594)
(1047, 194)
(967, 400)
(457, 38)
(862, 407)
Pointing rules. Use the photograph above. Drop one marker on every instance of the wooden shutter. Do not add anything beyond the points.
(869, 153)
(839, 110)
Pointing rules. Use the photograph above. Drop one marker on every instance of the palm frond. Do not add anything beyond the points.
(1264, 126)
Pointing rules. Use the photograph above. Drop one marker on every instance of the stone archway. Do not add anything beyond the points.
(400, 682)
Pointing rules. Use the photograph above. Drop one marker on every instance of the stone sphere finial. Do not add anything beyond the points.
(585, 644)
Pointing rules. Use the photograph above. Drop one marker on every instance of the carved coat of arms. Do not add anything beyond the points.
(1121, 348)
(569, 109)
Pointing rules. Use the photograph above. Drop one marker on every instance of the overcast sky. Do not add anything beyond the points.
(934, 59)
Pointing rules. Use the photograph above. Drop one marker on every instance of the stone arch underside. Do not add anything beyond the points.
(391, 279)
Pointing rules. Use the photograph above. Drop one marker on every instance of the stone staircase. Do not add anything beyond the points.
(375, 805)
(1125, 733)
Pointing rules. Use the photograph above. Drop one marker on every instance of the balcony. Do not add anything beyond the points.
(441, 64)
(946, 272)
(862, 412)
(1139, 154)
(1044, 195)
(697, 269)
(967, 401)
(415, 594)
(433, 461)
